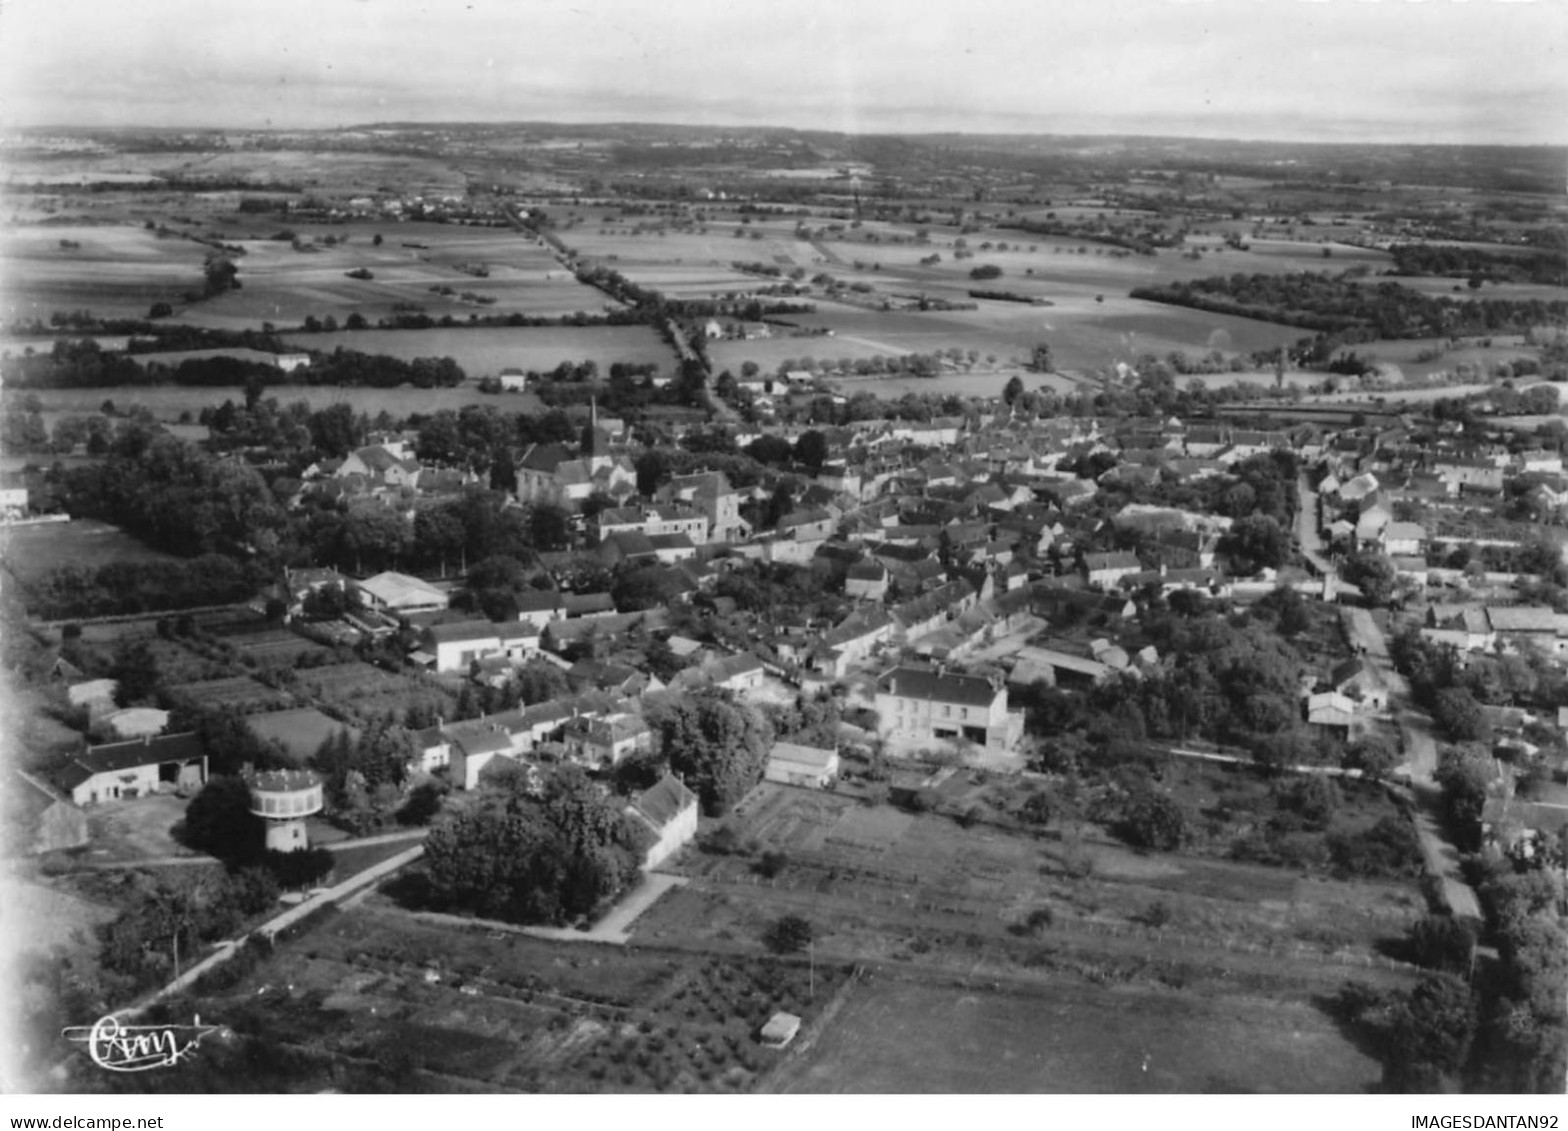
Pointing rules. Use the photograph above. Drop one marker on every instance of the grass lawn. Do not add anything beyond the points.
(31, 551)
(903, 1036)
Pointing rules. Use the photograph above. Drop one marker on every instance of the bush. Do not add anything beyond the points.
(1388, 850)
(1314, 798)
(788, 935)
(423, 803)
(1154, 821)
(772, 863)
(299, 869)
(1440, 942)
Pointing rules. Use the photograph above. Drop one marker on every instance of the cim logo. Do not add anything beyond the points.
(138, 1048)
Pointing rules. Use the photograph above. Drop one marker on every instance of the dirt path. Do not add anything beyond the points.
(1307, 528)
(1415, 727)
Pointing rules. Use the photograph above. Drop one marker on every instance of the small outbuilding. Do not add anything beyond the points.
(780, 1030)
(809, 766)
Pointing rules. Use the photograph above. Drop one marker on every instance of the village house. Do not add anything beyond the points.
(936, 705)
(119, 771)
(1105, 571)
(808, 766)
(1330, 711)
(668, 812)
(1402, 538)
(1360, 681)
(608, 740)
(454, 647)
(1464, 627)
(711, 493)
(866, 581)
(851, 641)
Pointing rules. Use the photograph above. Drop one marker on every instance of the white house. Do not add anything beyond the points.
(669, 812)
(808, 766)
(121, 770)
(920, 703)
(456, 646)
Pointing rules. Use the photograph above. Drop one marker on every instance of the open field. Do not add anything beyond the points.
(284, 285)
(904, 1036)
(980, 383)
(118, 271)
(30, 551)
(167, 402)
(486, 351)
(1082, 333)
(881, 877)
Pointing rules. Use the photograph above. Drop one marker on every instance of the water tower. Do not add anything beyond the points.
(283, 799)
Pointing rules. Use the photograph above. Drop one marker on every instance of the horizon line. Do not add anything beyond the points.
(697, 125)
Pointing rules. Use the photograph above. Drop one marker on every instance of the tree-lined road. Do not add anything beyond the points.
(1415, 728)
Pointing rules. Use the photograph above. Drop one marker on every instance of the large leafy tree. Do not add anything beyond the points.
(218, 820)
(550, 858)
(717, 745)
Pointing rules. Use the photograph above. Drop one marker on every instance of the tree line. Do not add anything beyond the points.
(1354, 311)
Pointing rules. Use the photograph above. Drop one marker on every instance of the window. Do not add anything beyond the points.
(947, 712)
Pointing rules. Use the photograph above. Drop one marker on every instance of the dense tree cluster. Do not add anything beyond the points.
(177, 498)
(717, 745)
(1546, 266)
(551, 858)
(1354, 311)
(117, 588)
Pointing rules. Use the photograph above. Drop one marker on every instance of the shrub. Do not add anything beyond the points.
(1388, 849)
(789, 934)
(1313, 798)
(772, 863)
(1154, 821)
(1440, 942)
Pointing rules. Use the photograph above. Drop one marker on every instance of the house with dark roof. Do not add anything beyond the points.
(630, 546)
(668, 813)
(1105, 571)
(866, 580)
(925, 704)
(117, 771)
(608, 740)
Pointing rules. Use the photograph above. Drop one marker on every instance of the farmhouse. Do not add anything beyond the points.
(669, 812)
(922, 704)
(121, 770)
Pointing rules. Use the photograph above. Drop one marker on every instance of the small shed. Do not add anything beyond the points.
(810, 766)
(780, 1030)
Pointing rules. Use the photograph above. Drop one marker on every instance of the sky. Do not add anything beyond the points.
(1435, 71)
